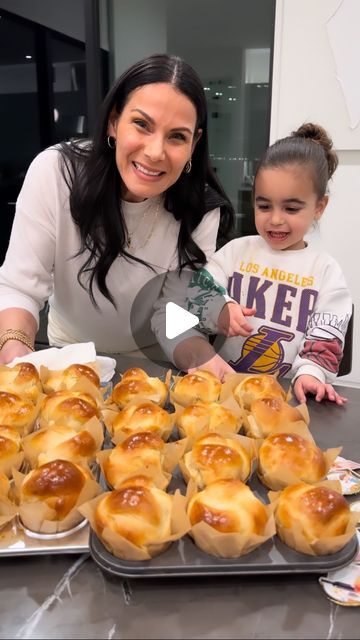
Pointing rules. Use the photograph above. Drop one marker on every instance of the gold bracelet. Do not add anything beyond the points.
(16, 334)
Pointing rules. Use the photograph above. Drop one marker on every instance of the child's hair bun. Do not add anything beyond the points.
(317, 134)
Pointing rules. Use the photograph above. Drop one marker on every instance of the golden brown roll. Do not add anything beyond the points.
(16, 411)
(271, 413)
(143, 416)
(141, 514)
(141, 451)
(22, 379)
(253, 387)
(67, 408)
(201, 386)
(58, 484)
(60, 442)
(10, 446)
(320, 512)
(229, 506)
(136, 385)
(290, 452)
(4, 485)
(215, 457)
(204, 416)
(67, 378)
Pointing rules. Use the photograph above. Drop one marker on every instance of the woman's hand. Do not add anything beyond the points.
(232, 320)
(13, 349)
(308, 384)
(215, 365)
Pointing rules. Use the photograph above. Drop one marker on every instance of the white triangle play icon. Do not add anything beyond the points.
(178, 320)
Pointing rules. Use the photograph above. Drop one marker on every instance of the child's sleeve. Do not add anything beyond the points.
(207, 291)
(321, 350)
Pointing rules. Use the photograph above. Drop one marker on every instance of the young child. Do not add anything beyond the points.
(283, 305)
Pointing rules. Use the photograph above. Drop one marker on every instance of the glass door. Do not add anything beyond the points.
(19, 115)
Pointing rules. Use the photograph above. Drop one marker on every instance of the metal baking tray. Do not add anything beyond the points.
(183, 558)
(16, 541)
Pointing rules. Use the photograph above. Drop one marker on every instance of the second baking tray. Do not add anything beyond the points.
(183, 558)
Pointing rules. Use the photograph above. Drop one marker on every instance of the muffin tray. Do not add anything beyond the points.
(17, 541)
(183, 558)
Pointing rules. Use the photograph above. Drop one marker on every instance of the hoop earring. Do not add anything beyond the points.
(111, 142)
(188, 166)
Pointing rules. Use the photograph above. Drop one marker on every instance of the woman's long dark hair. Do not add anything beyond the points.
(95, 184)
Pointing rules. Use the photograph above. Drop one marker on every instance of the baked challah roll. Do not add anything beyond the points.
(69, 377)
(62, 442)
(229, 506)
(253, 387)
(18, 412)
(201, 386)
(4, 485)
(10, 450)
(67, 408)
(52, 492)
(313, 513)
(136, 385)
(139, 513)
(215, 457)
(143, 416)
(142, 451)
(290, 455)
(206, 416)
(270, 413)
(22, 379)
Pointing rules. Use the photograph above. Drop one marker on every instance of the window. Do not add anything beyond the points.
(230, 45)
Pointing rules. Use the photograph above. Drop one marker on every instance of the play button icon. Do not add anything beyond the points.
(159, 324)
(178, 320)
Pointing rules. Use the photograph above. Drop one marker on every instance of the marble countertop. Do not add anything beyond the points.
(69, 596)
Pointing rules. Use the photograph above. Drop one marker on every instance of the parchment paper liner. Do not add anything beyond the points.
(247, 443)
(126, 550)
(230, 403)
(110, 404)
(296, 539)
(83, 384)
(228, 545)
(38, 517)
(175, 398)
(171, 455)
(12, 462)
(92, 426)
(8, 511)
(109, 414)
(233, 379)
(255, 430)
(284, 477)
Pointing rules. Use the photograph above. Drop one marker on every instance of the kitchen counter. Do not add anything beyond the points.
(70, 597)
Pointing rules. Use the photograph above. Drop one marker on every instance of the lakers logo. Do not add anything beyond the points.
(263, 352)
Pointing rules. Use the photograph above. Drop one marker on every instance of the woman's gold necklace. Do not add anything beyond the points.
(129, 242)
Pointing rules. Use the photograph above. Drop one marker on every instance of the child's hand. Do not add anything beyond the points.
(232, 320)
(215, 365)
(308, 384)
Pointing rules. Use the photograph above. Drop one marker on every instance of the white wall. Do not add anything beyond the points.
(307, 87)
(137, 30)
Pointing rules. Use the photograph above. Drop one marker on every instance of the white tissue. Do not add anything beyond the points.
(57, 358)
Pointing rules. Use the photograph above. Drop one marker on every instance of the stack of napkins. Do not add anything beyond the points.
(57, 358)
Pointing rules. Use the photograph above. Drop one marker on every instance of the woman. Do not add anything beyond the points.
(98, 220)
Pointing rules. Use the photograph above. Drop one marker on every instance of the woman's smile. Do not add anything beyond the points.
(146, 171)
